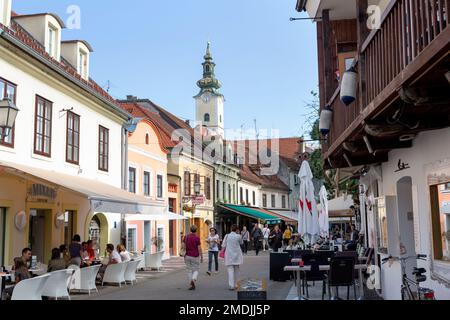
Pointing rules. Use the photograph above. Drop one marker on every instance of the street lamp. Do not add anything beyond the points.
(8, 114)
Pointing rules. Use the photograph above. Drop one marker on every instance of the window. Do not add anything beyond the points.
(229, 194)
(234, 193)
(187, 183)
(246, 196)
(254, 198)
(217, 188)
(273, 200)
(82, 67)
(208, 188)
(241, 194)
(73, 138)
(7, 90)
(447, 186)
(131, 240)
(224, 190)
(264, 200)
(146, 183)
(159, 185)
(440, 221)
(296, 179)
(160, 240)
(132, 180)
(206, 117)
(103, 149)
(51, 48)
(197, 181)
(220, 118)
(283, 202)
(147, 139)
(43, 127)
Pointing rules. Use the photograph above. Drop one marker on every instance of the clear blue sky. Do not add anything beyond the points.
(154, 49)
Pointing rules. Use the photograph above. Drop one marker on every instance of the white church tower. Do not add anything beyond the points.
(209, 102)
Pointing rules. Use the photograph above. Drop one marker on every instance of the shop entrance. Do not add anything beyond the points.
(37, 233)
(98, 232)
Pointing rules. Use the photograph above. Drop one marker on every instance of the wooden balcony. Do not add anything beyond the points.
(402, 67)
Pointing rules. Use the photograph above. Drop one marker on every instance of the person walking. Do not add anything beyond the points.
(276, 237)
(193, 257)
(233, 256)
(245, 238)
(257, 236)
(213, 241)
(266, 233)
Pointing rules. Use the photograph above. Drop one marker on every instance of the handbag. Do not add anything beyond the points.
(222, 253)
(183, 248)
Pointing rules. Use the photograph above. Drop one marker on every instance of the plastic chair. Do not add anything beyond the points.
(115, 273)
(130, 271)
(342, 274)
(57, 284)
(84, 279)
(30, 289)
(154, 260)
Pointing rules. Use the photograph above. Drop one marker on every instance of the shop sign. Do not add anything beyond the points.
(42, 192)
(198, 200)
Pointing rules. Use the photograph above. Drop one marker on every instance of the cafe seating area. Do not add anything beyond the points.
(62, 284)
(333, 269)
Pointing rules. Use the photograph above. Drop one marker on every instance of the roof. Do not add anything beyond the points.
(60, 21)
(82, 41)
(30, 45)
(162, 130)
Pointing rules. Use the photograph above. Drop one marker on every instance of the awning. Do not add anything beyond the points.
(159, 217)
(253, 213)
(288, 216)
(103, 197)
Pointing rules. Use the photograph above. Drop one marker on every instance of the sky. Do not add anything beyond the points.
(154, 49)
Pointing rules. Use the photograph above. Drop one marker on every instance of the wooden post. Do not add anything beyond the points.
(362, 32)
(327, 57)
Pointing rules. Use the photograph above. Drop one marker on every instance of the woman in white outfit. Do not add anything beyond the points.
(233, 256)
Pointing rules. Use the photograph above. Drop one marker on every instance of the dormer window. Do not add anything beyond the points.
(82, 64)
(52, 38)
(207, 117)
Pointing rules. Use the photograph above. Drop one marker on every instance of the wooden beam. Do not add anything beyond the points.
(327, 56)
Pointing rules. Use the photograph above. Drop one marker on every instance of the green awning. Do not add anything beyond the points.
(251, 212)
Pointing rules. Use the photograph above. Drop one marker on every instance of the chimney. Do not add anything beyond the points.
(5, 12)
(131, 98)
(300, 147)
(188, 122)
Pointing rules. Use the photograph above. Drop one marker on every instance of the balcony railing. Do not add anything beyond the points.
(407, 28)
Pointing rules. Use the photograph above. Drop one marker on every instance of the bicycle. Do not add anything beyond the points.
(419, 276)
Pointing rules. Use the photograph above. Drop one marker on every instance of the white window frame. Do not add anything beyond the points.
(158, 173)
(163, 227)
(82, 69)
(135, 227)
(52, 47)
(137, 180)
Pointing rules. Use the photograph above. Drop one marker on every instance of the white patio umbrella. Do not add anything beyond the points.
(308, 220)
(323, 212)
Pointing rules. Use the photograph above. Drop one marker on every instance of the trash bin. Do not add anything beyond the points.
(252, 289)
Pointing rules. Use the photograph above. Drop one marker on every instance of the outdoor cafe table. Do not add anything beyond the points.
(298, 269)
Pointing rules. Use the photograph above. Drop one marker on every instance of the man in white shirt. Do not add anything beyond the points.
(266, 233)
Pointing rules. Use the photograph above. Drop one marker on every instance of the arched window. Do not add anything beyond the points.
(207, 117)
(220, 118)
(207, 68)
(147, 139)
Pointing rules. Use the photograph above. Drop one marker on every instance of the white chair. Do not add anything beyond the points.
(56, 286)
(154, 260)
(130, 271)
(30, 289)
(75, 277)
(115, 273)
(84, 279)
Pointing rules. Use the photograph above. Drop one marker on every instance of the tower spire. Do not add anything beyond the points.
(209, 83)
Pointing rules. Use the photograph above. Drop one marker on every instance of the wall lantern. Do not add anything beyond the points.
(197, 188)
(8, 114)
(326, 115)
(348, 86)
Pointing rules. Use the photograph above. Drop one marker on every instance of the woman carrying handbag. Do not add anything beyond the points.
(233, 256)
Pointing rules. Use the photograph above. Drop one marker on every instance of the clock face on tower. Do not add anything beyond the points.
(206, 97)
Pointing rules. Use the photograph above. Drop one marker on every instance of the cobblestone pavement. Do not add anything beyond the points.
(171, 283)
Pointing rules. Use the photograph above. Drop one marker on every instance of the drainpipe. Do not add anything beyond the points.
(124, 178)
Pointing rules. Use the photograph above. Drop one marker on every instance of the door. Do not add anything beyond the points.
(171, 236)
(2, 235)
(37, 233)
(406, 222)
(68, 226)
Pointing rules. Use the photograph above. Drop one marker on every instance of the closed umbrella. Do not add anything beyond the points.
(323, 212)
(308, 217)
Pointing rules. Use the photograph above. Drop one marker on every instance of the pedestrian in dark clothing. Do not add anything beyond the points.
(257, 236)
(245, 238)
(277, 238)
